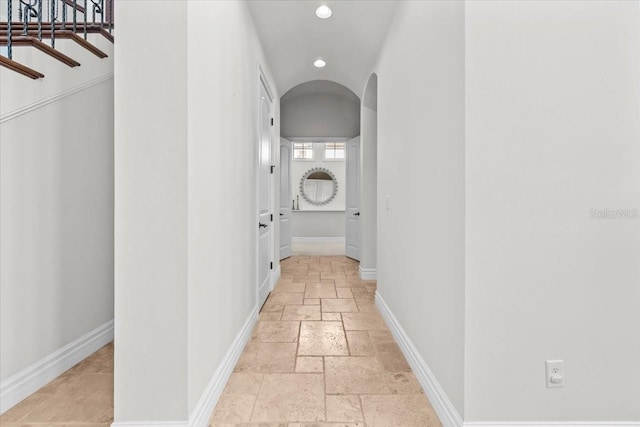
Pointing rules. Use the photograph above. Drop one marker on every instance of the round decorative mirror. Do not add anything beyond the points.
(318, 186)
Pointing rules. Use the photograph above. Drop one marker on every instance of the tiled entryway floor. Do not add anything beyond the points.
(81, 397)
(321, 355)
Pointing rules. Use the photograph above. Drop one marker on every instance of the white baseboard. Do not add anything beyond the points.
(276, 276)
(207, 403)
(368, 273)
(152, 424)
(552, 424)
(449, 416)
(202, 412)
(26, 382)
(317, 240)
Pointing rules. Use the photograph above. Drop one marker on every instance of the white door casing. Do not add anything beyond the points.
(285, 196)
(352, 199)
(265, 193)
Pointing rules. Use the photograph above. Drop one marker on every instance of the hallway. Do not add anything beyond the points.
(319, 353)
(322, 353)
(484, 161)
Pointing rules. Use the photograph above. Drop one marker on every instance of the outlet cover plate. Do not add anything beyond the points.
(555, 369)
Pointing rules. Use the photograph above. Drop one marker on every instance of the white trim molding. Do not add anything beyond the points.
(206, 404)
(31, 107)
(152, 424)
(26, 382)
(275, 276)
(368, 273)
(552, 424)
(449, 416)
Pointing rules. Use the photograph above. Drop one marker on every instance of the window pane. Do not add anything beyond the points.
(334, 150)
(302, 150)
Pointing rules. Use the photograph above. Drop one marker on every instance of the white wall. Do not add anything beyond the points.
(553, 131)
(369, 175)
(300, 167)
(224, 55)
(318, 221)
(421, 170)
(320, 108)
(56, 204)
(552, 123)
(317, 224)
(186, 219)
(57, 207)
(151, 196)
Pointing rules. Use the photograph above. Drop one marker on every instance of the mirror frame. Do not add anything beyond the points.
(333, 178)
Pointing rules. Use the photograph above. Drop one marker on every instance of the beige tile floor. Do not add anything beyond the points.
(81, 397)
(322, 356)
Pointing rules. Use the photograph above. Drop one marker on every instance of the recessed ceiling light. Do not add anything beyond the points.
(320, 63)
(323, 12)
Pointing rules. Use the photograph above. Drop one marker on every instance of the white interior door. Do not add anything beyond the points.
(285, 196)
(265, 183)
(352, 202)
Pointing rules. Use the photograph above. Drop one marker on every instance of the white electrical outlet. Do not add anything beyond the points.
(386, 202)
(555, 373)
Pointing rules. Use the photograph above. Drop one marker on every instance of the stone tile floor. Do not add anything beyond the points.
(321, 355)
(81, 397)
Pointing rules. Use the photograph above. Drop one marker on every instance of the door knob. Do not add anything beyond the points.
(356, 214)
(261, 225)
(281, 214)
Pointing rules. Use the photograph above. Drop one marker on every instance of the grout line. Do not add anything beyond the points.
(297, 345)
(362, 410)
(324, 384)
(255, 401)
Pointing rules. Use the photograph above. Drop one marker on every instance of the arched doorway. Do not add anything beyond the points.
(318, 119)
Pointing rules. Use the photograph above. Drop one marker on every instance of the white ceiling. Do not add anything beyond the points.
(293, 37)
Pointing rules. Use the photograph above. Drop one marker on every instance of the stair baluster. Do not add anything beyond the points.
(39, 3)
(98, 7)
(53, 22)
(85, 19)
(32, 28)
(9, 28)
(28, 11)
(64, 15)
